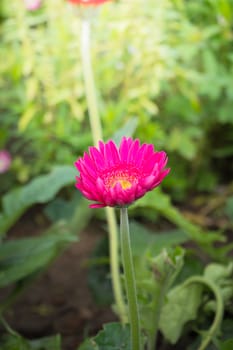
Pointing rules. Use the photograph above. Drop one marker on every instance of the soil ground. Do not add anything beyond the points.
(59, 301)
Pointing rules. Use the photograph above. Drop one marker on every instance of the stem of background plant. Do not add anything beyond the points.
(7, 327)
(96, 130)
(130, 281)
(152, 341)
(219, 309)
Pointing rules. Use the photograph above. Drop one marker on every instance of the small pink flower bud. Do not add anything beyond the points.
(5, 161)
(32, 5)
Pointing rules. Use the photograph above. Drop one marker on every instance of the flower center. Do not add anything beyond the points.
(125, 176)
(124, 183)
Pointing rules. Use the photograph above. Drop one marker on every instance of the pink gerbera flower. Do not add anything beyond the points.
(87, 2)
(5, 161)
(32, 5)
(116, 177)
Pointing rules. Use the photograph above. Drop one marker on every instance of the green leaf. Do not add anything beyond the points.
(11, 342)
(229, 207)
(161, 202)
(192, 266)
(127, 130)
(74, 212)
(222, 276)
(21, 257)
(114, 336)
(99, 280)
(181, 307)
(227, 345)
(154, 276)
(39, 190)
(14, 342)
(61, 209)
(47, 343)
(143, 239)
(226, 330)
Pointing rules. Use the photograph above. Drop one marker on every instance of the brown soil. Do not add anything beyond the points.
(59, 301)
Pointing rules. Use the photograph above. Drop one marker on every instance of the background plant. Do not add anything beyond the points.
(164, 71)
(174, 76)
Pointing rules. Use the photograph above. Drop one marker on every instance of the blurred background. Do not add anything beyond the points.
(164, 74)
(167, 65)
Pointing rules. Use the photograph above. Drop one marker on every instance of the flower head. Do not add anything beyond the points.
(116, 177)
(5, 161)
(32, 5)
(87, 2)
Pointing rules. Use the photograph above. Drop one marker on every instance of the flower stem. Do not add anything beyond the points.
(130, 281)
(115, 264)
(96, 131)
(219, 308)
(90, 83)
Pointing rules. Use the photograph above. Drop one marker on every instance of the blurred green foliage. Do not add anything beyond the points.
(169, 64)
(164, 70)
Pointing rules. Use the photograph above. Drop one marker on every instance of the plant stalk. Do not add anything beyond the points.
(219, 309)
(152, 341)
(130, 281)
(96, 131)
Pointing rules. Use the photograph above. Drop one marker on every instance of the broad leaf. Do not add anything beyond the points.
(14, 342)
(181, 307)
(161, 202)
(227, 345)
(39, 190)
(144, 239)
(155, 275)
(222, 276)
(21, 257)
(114, 336)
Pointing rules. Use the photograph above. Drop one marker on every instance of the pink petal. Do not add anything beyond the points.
(124, 149)
(147, 181)
(133, 152)
(113, 153)
(97, 158)
(97, 205)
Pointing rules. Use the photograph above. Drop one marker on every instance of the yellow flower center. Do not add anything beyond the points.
(126, 176)
(125, 184)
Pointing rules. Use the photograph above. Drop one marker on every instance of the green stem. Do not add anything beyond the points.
(115, 264)
(159, 304)
(96, 130)
(8, 327)
(90, 83)
(219, 308)
(130, 281)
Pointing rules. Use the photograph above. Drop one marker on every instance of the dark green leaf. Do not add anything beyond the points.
(39, 190)
(99, 279)
(227, 345)
(229, 207)
(144, 239)
(14, 342)
(114, 336)
(21, 257)
(48, 343)
(161, 202)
